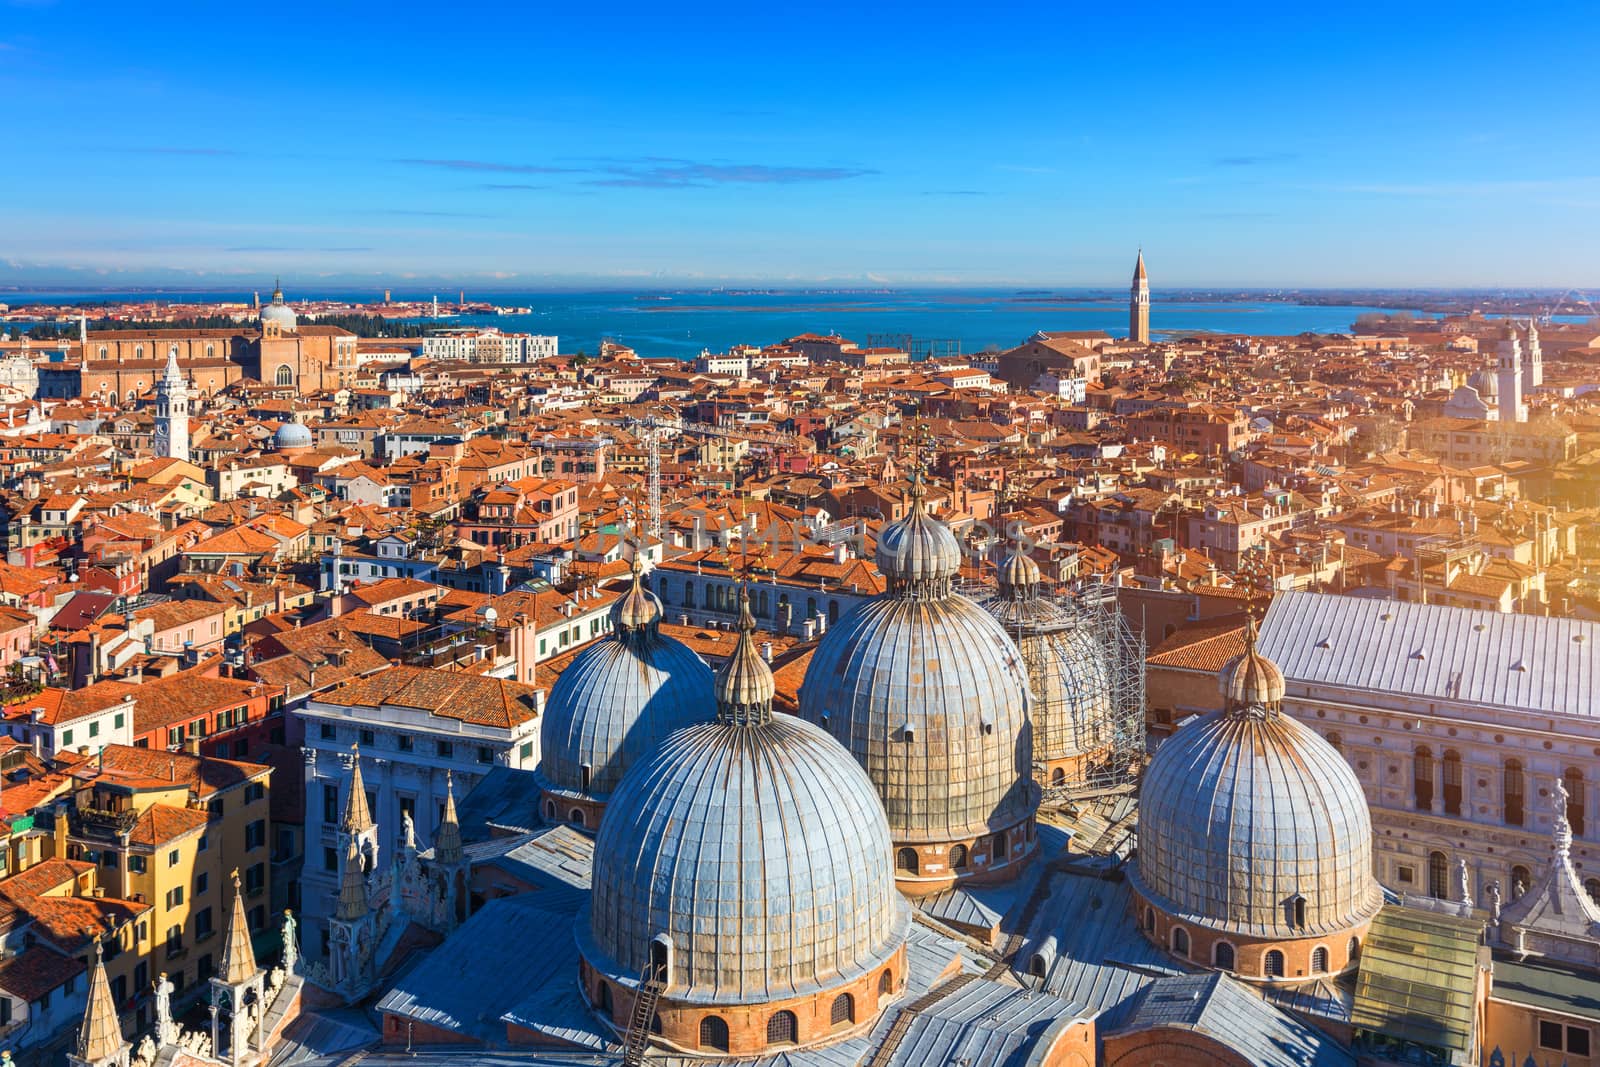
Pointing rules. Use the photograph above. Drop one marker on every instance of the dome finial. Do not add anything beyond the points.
(1252, 685)
(638, 610)
(744, 685)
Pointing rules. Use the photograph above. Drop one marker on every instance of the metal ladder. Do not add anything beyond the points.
(644, 1012)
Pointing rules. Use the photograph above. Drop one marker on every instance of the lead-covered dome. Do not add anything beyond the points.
(292, 435)
(755, 852)
(1250, 823)
(929, 694)
(1070, 670)
(277, 312)
(617, 699)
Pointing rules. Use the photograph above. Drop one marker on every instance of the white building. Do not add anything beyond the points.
(1458, 723)
(488, 346)
(411, 726)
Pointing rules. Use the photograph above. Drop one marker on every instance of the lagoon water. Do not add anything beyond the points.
(683, 322)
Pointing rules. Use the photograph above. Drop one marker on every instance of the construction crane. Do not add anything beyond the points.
(652, 432)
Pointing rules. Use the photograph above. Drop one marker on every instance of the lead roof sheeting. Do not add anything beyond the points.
(1418, 973)
(506, 798)
(1466, 655)
(984, 1024)
(484, 968)
(1097, 944)
(1222, 1009)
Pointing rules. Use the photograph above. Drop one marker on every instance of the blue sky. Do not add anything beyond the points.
(527, 145)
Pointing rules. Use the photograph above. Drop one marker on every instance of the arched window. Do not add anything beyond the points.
(1149, 920)
(1438, 875)
(998, 851)
(1273, 963)
(1222, 955)
(284, 375)
(660, 961)
(1180, 941)
(1573, 779)
(138, 351)
(1058, 777)
(958, 857)
(1519, 881)
(1422, 778)
(603, 999)
(102, 351)
(714, 1033)
(843, 1012)
(1319, 960)
(1297, 910)
(833, 612)
(550, 809)
(885, 983)
(1355, 949)
(211, 350)
(1038, 966)
(906, 860)
(575, 816)
(781, 1028)
(1452, 782)
(688, 594)
(1513, 791)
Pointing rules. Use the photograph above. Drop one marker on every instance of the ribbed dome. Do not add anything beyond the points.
(918, 554)
(1245, 810)
(1019, 574)
(1069, 671)
(745, 685)
(928, 694)
(1485, 382)
(639, 608)
(615, 702)
(758, 848)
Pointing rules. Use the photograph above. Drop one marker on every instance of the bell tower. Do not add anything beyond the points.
(171, 438)
(1139, 304)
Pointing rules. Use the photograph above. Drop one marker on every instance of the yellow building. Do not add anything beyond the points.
(166, 829)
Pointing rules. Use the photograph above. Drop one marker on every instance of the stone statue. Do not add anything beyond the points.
(289, 947)
(1463, 886)
(146, 1054)
(166, 1032)
(1494, 901)
(408, 831)
(1517, 889)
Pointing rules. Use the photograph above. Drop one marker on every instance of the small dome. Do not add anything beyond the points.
(1486, 383)
(745, 682)
(278, 312)
(639, 608)
(918, 553)
(614, 703)
(1018, 573)
(1251, 679)
(292, 435)
(756, 847)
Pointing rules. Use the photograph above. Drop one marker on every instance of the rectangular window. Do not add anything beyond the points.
(174, 939)
(1407, 875)
(94, 727)
(117, 721)
(173, 857)
(327, 732)
(1550, 1035)
(527, 750)
(367, 737)
(175, 896)
(330, 803)
(254, 792)
(485, 754)
(204, 843)
(175, 737)
(202, 924)
(1578, 1040)
(202, 882)
(255, 878)
(446, 749)
(136, 864)
(406, 743)
(66, 738)
(255, 835)
(330, 859)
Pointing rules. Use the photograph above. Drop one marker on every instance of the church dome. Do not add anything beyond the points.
(929, 694)
(277, 312)
(755, 854)
(1486, 383)
(1251, 678)
(1250, 824)
(292, 435)
(617, 699)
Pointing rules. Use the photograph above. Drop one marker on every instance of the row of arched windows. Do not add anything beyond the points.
(1513, 786)
(1225, 957)
(783, 1028)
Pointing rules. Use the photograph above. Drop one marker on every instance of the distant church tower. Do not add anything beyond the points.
(1139, 305)
(1533, 361)
(172, 411)
(1509, 371)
